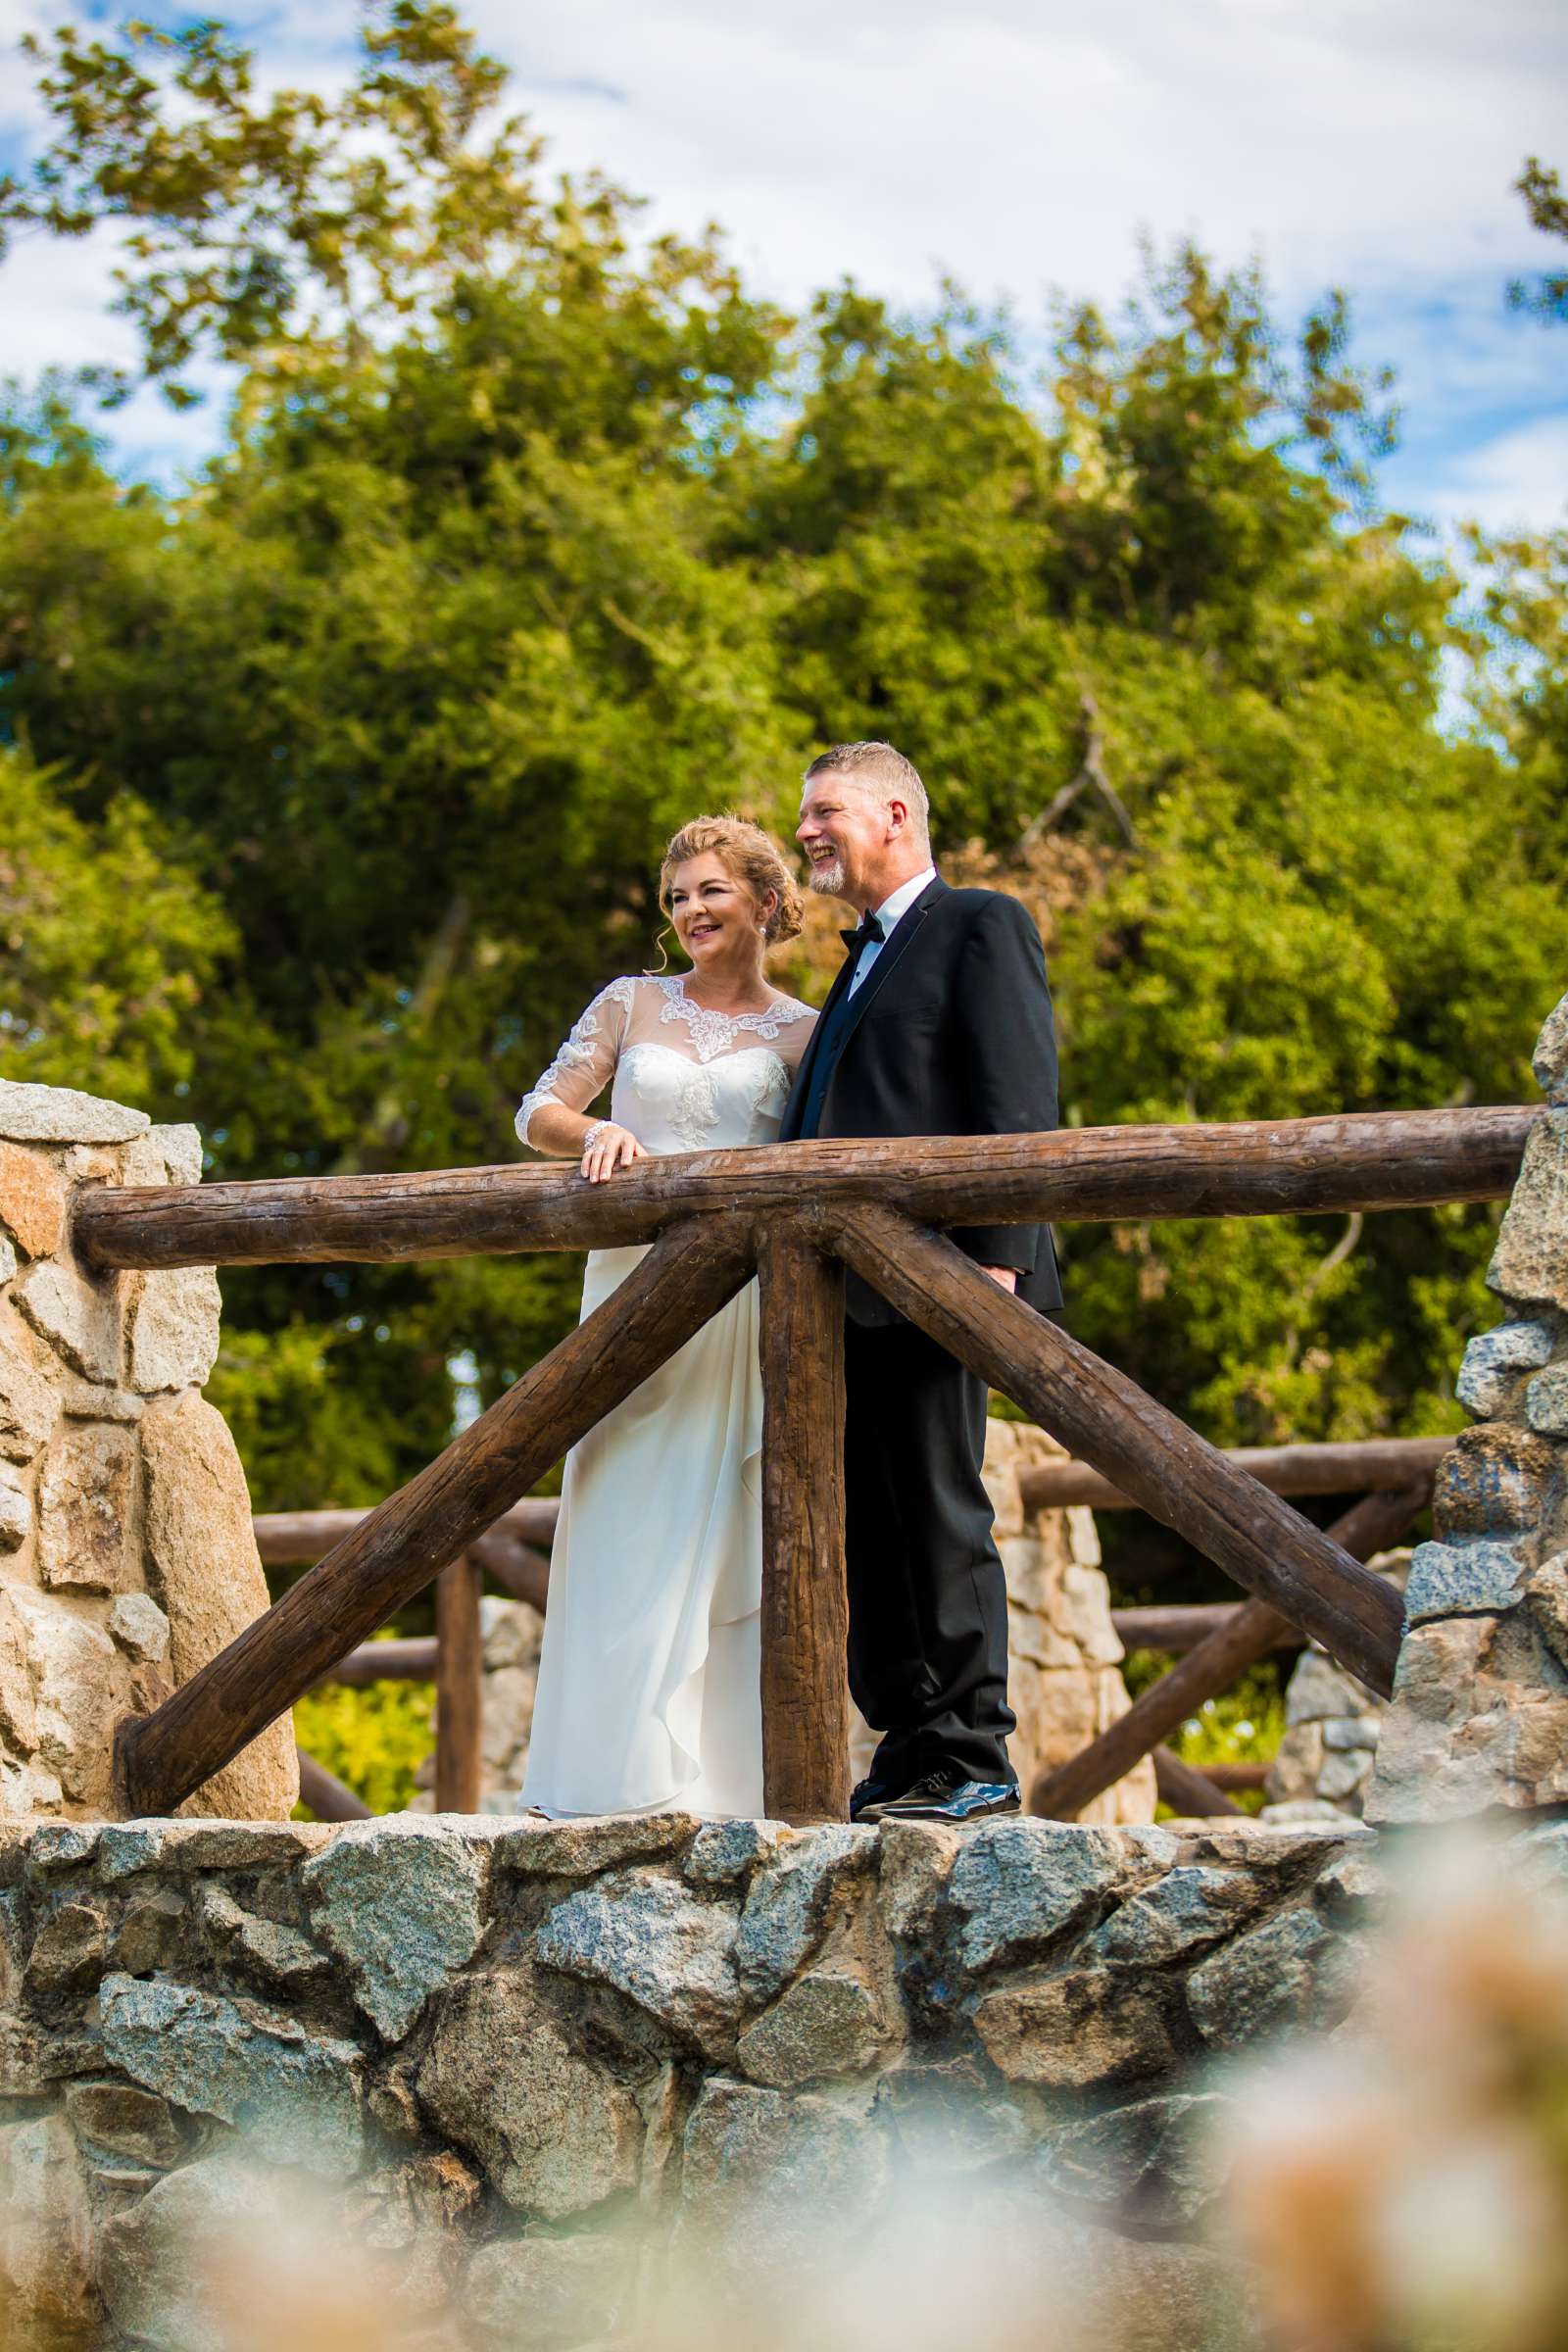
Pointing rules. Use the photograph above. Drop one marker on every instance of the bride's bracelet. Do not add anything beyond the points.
(593, 1133)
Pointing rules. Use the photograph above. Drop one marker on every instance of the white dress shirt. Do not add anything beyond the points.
(888, 913)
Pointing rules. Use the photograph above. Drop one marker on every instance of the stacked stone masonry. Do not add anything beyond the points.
(1479, 1719)
(127, 1557)
(503, 2046)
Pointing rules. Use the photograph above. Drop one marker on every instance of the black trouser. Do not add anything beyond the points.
(928, 1600)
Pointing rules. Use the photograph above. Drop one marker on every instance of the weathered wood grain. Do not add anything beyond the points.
(459, 1686)
(804, 1609)
(1255, 1168)
(394, 1553)
(1107, 1421)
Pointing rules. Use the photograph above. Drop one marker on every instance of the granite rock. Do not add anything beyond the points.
(15, 1512)
(159, 2258)
(571, 2289)
(790, 1902)
(79, 1320)
(1292, 1971)
(725, 1853)
(120, 2119)
(1462, 1580)
(401, 1903)
(32, 1202)
(174, 1330)
(768, 2179)
(1549, 1060)
(1088, 2029)
(86, 1518)
(577, 1850)
(827, 2025)
(1149, 2161)
(79, 1691)
(294, 2093)
(651, 1938)
(1494, 1362)
(552, 2132)
(139, 1626)
(1490, 1483)
(58, 1114)
(1190, 1908)
(1547, 1407)
(1020, 1883)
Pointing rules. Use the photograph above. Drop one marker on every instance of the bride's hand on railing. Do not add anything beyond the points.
(607, 1147)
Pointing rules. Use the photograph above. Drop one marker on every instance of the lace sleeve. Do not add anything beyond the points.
(586, 1063)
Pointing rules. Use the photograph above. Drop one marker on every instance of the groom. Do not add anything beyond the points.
(939, 1023)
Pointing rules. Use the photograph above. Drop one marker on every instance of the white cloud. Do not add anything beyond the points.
(1516, 482)
(1022, 144)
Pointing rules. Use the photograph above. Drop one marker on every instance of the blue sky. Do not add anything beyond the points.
(1022, 145)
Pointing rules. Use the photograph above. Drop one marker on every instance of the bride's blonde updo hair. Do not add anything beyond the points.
(751, 857)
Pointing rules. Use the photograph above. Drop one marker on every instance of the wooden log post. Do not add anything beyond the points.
(394, 1552)
(805, 1728)
(1248, 1169)
(1361, 1466)
(328, 1798)
(459, 1686)
(1109, 1422)
(1060, 1795)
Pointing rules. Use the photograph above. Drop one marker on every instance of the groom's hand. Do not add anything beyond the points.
(1008, 1276)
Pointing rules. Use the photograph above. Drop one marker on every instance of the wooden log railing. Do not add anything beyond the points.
(792, 1210)
(1369, 1526)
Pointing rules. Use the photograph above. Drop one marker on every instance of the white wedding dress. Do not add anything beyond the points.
(648, 1682)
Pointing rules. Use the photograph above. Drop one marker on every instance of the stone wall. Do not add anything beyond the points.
(1479, 1713)
(127, 1557)
(491, 2040)
(1065, 1678)
(1333, 1726)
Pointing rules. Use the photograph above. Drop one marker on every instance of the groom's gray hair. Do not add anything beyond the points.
(880, 769)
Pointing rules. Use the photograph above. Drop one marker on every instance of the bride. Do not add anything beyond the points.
(649, 1683)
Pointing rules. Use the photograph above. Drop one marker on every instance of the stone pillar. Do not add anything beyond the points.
(127, 1556)
(1065, 1657)
(1479, 1717)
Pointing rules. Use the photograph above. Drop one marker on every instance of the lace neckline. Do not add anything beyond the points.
(713, 1032)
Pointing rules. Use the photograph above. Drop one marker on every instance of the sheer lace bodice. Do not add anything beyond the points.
(681, 1078)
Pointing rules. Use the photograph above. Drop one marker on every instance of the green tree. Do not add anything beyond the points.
(108, 943)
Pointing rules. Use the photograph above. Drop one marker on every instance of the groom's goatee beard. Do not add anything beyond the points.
(826, 880)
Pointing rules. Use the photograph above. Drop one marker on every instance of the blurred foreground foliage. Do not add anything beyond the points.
(339, 775)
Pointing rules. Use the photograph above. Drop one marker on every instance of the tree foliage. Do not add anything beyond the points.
(526, 540)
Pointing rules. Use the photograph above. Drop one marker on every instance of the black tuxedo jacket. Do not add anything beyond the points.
(951, 1034)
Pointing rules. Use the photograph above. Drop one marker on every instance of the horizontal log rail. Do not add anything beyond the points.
(1248, 1169)
(298, 1538)
(163, 1757)
(1179, 1627)
(1106, 1420)
(328, 1798)
(1358, 1467)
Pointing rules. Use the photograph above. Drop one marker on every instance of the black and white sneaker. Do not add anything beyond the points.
(945, 1797)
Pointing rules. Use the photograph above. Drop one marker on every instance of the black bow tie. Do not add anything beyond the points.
(862, 936)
